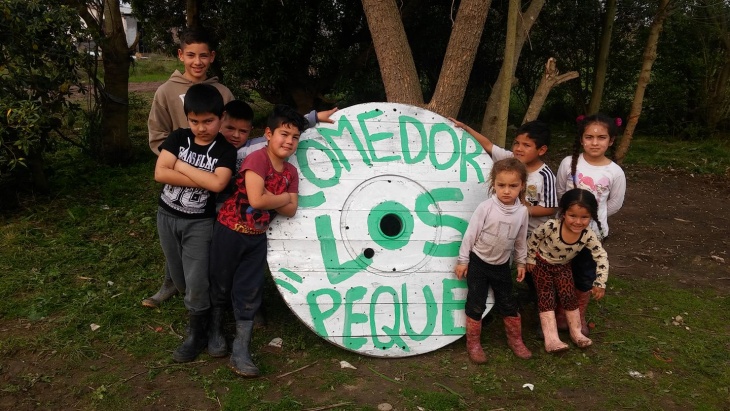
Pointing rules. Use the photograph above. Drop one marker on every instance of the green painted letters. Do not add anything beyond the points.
(336, 272)
(450, 305)
(431, 313)
(318, 316)
(392, 332)
(353, 294)
(423, 202)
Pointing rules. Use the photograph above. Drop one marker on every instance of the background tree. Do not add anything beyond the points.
(599, 79)
(37, 74)
(323, 53)
(308, 54)
(494, 121)
(715, 95)
(103, 20)
(650, 55)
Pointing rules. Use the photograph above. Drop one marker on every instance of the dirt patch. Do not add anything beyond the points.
(144, 87)
(673, 228)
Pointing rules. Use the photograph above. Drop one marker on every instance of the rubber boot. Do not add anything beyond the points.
(473, 341)
(216, 340)
(513, 330)
(241, 362)
(560, 319)
(550, 330)
(574, 326)
(167, 290)
(196, 340)
(584, 297)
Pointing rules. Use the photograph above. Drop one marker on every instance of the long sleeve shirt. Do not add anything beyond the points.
(548, 243)
(494, 230)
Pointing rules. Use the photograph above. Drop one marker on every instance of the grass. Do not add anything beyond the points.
(153, 68)
(710, 156)
(89, 254)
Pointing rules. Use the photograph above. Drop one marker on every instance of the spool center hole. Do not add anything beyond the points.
(391, 225)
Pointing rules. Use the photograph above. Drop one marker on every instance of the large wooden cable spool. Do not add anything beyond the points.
(385, 195)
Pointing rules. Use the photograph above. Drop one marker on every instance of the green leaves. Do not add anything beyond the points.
(38, 61)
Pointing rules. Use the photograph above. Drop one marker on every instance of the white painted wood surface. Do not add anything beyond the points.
(385, 194)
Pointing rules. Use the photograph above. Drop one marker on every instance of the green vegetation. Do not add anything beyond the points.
(89, 254)
(153, 69)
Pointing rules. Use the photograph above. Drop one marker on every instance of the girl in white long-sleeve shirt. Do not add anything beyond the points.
(496, 229)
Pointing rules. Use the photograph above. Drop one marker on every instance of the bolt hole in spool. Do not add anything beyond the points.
(385, 195)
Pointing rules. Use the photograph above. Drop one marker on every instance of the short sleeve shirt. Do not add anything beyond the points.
(194, 202)
(237, 213)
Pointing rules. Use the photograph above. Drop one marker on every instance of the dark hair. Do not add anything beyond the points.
(283, 114)
(603, 119)
(537, 131)
(203, 98)
(196, 35)
(510, 164)
(582, 198)
(239, 110)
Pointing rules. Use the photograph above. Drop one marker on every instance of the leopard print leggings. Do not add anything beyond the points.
(552, 279)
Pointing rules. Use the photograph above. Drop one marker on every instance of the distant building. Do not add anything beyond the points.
(129, 22)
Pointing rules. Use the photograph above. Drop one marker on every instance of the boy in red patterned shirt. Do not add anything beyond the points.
(266, 186)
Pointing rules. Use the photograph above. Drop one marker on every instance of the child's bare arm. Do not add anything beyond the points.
(290, 209)
(483, 140)
(324, 116)
(214, 181)
(540, 211)
(165, 171)
(261, 198)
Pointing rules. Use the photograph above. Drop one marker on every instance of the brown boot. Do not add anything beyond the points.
(474, 341)
(550, 331)
(575, 334)
(584, 297)
(513, 330)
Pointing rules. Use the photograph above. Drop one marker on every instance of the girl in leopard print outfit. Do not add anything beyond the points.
(551, 248)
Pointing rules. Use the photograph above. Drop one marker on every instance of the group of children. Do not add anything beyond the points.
(222, 189)
(555, 244)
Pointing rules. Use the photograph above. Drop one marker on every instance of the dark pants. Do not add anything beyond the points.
(584, 270)
(479, 277)
(237, 264)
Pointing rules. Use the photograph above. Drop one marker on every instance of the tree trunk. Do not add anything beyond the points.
(499, 132)
(551, 79)
(192, 14)
(459, 59)
(115, 145)
(397, 67)
(602, 61)
(717, 78)
(505, 79)
(644, 77)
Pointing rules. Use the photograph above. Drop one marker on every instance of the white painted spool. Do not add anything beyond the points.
(367, 262)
